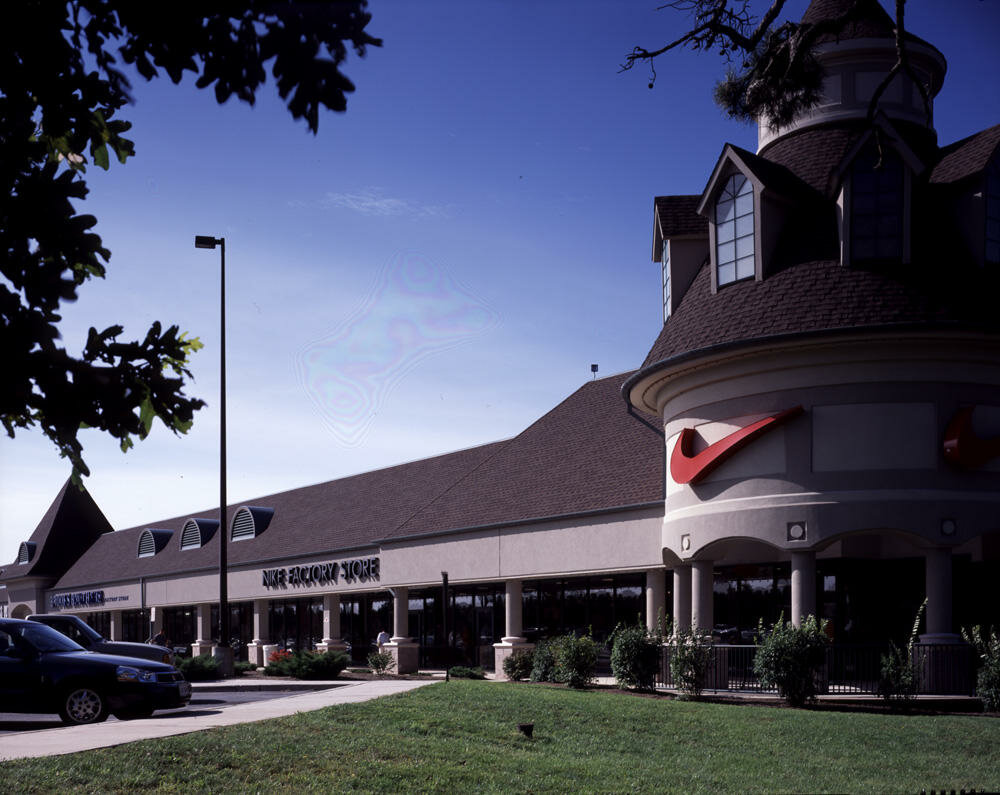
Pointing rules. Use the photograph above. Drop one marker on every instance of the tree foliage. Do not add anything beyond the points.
(773, 71)
(61, 90)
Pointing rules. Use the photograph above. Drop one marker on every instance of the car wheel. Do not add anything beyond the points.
(82, 705)
(137, 712)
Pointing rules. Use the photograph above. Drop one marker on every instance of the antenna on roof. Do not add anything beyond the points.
(593, 369)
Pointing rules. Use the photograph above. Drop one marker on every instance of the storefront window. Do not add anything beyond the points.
(100, 621)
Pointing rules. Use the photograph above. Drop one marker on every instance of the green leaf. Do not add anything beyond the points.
(100, 155)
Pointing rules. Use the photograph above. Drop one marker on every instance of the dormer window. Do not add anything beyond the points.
(734, 231)
(250, 522)
(26, 552)
(877, 205)
(993, 212)
(152, 541)
(666, 279)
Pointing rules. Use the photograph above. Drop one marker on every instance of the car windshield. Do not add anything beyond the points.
(42, 638)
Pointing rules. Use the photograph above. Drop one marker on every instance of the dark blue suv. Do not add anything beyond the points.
(43, 671)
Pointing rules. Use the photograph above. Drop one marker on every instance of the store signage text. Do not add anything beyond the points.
(81, 599)
(361, 569)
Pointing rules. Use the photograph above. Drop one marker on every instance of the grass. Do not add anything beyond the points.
(462, 737)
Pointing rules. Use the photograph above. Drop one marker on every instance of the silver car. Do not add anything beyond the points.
(78, 630)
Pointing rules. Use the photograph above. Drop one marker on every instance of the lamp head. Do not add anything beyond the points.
(205, 241)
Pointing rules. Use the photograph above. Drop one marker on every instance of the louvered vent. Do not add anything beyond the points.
(243, 525)
(191, 535)
(25, 552)
(147, 545)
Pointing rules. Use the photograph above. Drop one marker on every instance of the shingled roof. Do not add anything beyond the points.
(967, 157)
(587, 454)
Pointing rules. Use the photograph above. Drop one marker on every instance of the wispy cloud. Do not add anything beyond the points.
(374, 201)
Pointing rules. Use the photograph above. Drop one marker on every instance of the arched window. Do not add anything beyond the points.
(876, 205)
(734, 235)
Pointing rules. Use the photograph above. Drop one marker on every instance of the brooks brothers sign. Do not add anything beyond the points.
(361, 569)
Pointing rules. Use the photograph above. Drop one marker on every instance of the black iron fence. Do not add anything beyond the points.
(941, 669)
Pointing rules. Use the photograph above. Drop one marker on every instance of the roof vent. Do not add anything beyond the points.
(197, 532)
(152, 541)
(250, 522)
(26, 552)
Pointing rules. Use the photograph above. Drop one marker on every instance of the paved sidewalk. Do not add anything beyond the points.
(70, 739)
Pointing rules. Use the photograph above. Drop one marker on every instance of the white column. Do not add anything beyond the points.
(115, 630)
(803, 585)
(401, 614)
(203, 628)
(404, 651)
(702, 595)
(512, 641)
(512, 612)
(682, 597)
(331, 625)
(938, 581)
(656, 591)
(261, 633)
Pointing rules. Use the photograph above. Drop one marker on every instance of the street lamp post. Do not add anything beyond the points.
(223, 653)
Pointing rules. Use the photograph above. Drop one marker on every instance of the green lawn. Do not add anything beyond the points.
(462, 737)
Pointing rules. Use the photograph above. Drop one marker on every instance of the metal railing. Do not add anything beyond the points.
(941, 669)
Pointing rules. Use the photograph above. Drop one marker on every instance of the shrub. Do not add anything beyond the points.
(635, 656)
(543, 665)
(323, 665)
(240, 668)
(790, 658)
(987, 646)
(897, 677)
(575, 660)
(690, 657)
(518, 665)
(464, 672)
(201, 668)
(381, 662)
(306, 664)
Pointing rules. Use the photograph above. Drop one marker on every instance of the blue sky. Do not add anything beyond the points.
(438, 267)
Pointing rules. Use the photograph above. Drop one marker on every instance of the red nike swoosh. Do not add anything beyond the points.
(687, 468)
(963, 447)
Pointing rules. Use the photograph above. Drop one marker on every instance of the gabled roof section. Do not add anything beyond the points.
(766, 175)
(71, 524)
(590, 453)
(968, 157)
(890, 137)
(676, 216)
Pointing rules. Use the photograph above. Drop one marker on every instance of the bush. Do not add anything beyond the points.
(575, 660)
(381, 662)
(690, 657)
(240, 668)
(306, 664)
(566, 659)
(987, 646)
(543, 665)
(200, 668)
(464, 672)
(790, 658)
(635, 656)
(897, 678)
(518, 665)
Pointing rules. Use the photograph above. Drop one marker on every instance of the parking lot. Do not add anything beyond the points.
(202, 703)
